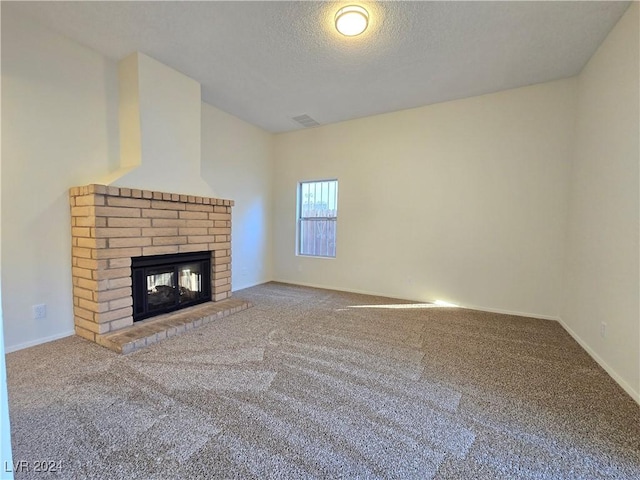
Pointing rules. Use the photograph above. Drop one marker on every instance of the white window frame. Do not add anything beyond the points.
(301, 220)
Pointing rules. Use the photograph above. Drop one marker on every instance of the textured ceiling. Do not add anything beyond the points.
(267, 62)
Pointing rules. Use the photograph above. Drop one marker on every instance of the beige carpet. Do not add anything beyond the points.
(320, 384)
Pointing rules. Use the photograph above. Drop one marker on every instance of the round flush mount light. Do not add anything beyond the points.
(352, 20)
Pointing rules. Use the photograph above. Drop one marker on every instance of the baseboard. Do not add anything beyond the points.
(39, 341)
(469, 307)
(539, 316)
(349, 290)
(612, 373)
(249, 285)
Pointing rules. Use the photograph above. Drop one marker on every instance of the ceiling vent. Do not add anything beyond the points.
(306, 121)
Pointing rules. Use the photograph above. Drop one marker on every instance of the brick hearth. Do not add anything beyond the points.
(110, 225)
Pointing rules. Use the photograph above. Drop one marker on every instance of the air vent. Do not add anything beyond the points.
(306, 121)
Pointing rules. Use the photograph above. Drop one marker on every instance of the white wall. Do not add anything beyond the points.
(237, 163)
(463, 201)
(60, 129)
(602, 278)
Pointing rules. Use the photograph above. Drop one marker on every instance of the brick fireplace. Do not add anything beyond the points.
(111, 225)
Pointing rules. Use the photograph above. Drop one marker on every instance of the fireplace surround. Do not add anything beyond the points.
(111, 226)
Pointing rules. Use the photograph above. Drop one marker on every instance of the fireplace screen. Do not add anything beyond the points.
(164, 283)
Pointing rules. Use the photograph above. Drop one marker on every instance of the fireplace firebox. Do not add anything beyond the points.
(164, 283)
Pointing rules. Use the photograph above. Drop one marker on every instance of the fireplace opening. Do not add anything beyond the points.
(164, 283)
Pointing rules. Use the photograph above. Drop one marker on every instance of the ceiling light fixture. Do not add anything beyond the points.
(352, 20)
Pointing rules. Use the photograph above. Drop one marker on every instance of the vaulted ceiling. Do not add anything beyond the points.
(267, 62)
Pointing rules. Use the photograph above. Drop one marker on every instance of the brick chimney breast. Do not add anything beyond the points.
(110, 225)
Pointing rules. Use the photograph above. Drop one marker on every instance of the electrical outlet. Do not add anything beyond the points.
(39, 311)
(603, 329)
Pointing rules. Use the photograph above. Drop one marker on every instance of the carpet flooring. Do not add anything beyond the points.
(314, 383)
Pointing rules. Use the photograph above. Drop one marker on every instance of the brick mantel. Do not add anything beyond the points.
(110, 225)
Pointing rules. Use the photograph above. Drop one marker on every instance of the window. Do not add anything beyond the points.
(317, 218)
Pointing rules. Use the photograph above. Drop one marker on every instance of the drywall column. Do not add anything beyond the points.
(160, 128)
